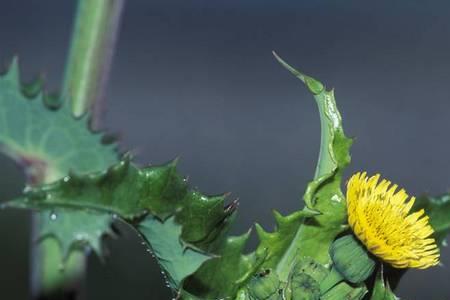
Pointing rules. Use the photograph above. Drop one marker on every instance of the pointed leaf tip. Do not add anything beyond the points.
(14, 63)
(262, 234)
(315, 86)
(13, 72)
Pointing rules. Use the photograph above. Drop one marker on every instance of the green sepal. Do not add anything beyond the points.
(351, 259)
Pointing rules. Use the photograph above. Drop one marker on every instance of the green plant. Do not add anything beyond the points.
(79, 185)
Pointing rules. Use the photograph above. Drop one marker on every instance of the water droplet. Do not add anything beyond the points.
(53, 216)
(81, 237)
(66, 179)
(115, 216)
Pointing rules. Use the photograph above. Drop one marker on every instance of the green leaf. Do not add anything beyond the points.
(274, 245)
(40, 133)
(200, 222)
(156, 200)
(223, 275)
(304, 234)
(381, 289)
(122, 189)
(47, 141)
(76, 229)
(178, 259)
(315, 235)
(132, 193)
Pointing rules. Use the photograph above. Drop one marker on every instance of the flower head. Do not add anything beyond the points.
(379, 215)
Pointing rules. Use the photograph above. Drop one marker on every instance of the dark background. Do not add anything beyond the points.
(197, 79)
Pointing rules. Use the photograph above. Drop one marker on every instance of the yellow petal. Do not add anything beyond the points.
(379, 215)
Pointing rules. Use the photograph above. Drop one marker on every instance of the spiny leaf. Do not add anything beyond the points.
(155, 199)
(51, 143)
(132, 193)
(48, 142)
(122, 189)
(76, 229)
(314, 237)
(307, 233)
(176, 258)
(273, 245)
(223, 275)
(40, 133)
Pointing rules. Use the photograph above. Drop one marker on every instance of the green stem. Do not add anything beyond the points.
(91, 51)
(87, 69)
(49, 279)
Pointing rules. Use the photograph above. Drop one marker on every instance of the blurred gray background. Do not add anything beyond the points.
(196, 79)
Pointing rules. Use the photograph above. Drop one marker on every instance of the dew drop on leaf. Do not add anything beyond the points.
(53, 216)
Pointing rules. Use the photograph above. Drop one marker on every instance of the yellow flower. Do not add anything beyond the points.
(379, 217)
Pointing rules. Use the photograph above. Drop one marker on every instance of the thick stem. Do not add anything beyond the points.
(87, 70)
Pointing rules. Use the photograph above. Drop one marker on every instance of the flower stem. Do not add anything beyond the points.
(87, 70)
